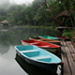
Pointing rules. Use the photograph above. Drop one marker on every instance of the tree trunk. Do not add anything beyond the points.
(63, 20)
(71, 11)
(51, 13)
(70, 3)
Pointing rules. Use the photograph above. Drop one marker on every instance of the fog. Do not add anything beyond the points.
(21, 1)
(2, 2)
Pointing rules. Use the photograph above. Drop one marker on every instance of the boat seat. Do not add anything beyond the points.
(26, 51)
(41, 57)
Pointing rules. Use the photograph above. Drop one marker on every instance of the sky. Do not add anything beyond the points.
(21, 1)
(15, 1)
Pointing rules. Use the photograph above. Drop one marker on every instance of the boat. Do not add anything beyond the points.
(46, 40)
(31, 69)
(63, 38)
(56, 49)
(39, 43)
(48, 37)
(38, 57)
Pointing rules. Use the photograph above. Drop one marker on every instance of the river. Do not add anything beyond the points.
(10, 63)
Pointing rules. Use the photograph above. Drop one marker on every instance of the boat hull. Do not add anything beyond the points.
(48, 37)
(52, 68)
(63, 38)
(46, 40)
(56, 51)
(31, 69)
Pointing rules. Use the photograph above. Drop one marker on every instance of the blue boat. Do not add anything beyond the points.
(38, 57)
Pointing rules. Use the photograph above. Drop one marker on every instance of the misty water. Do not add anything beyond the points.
(10, 62)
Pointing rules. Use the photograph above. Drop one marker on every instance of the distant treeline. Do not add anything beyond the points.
(36, 13)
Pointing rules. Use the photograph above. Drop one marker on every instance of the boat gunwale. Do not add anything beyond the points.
(48, 46)
(62, 37)
(37, 60)
(47, 40)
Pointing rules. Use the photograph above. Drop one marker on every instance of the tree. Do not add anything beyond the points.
(70, 8)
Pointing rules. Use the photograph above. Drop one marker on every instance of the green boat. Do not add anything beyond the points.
(48, 37)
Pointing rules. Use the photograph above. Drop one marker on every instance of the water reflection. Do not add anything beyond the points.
(8, 65)
(12, 37)
(31, 69)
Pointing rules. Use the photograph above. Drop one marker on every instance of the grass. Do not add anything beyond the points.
(28, 26)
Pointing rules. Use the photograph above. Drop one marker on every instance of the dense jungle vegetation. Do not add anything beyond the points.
(39, 14)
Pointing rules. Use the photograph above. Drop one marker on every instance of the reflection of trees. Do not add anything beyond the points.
(40, 31)
(4, 49)
(14, 35)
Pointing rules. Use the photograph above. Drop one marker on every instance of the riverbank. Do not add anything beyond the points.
(28, 26)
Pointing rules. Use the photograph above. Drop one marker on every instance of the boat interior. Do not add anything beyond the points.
(48, 37)
(41, 44)
(46, 40)
(37, 54)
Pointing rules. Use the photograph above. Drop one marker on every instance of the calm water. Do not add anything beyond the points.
(10, 63)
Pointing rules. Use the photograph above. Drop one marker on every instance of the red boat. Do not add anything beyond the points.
(62, 38)
(48, 46)
(39, 43)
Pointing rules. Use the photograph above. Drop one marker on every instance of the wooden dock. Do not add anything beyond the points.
(68, 58)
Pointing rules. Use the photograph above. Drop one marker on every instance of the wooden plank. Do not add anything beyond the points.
(63, 47)
(72, 46)
(62, 44)
(66, 69)
(73, 55)
(65, 66)
(70, 61)
(69, 46)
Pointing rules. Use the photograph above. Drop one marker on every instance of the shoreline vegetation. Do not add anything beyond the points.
(40, 14)
(69, 33)
(28, 26)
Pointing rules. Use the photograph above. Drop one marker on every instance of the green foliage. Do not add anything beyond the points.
(66, 34)
(72, 32)
(37, 13)
(69, 33)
